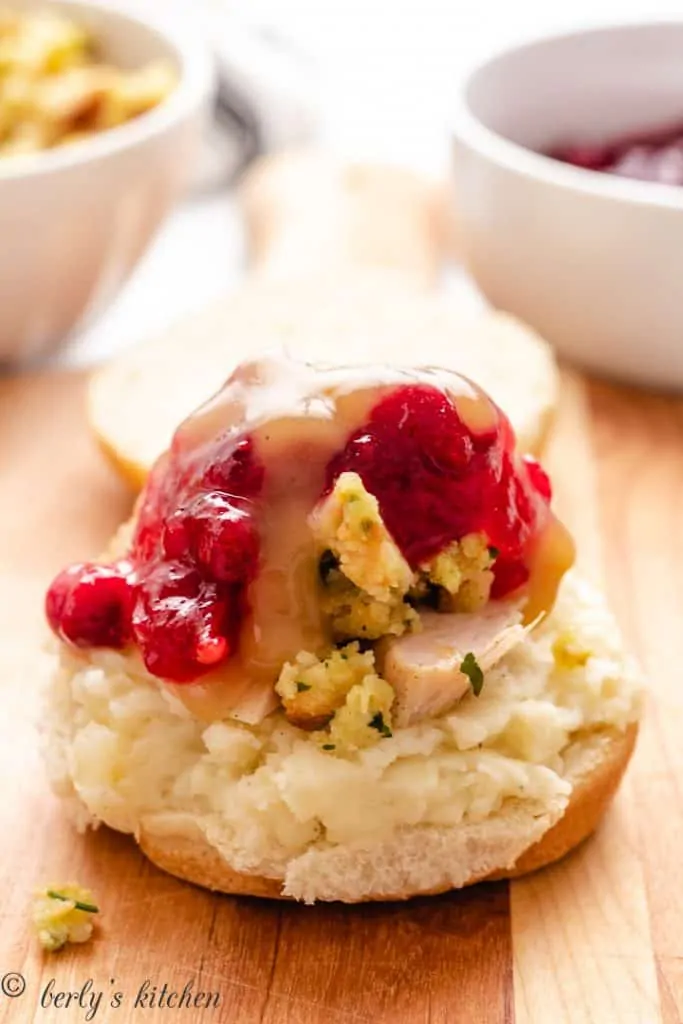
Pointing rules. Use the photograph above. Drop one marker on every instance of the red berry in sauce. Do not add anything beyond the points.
(58, 592)
(178, 478)
(218, 533)
(90, 605)
(538, 477)
(237, 472)
(194, 550)
(182, 624)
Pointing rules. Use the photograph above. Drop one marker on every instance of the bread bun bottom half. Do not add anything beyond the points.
(502, 785)
(466, 854)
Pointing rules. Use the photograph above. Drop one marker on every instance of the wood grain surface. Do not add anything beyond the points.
(598, 938)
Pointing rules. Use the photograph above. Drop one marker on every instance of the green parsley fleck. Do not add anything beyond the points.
(493, 553)
(89, 908)
(301, 687)
(377, 722)
(366, 526)
(328, 746)
(471, 668)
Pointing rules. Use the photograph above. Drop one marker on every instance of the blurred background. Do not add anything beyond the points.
(368, 78)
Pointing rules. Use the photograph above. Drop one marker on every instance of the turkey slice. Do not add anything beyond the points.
(426, 668)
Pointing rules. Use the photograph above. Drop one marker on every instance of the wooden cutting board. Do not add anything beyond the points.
(598, 938)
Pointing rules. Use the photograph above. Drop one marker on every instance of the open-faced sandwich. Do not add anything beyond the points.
(340, 652)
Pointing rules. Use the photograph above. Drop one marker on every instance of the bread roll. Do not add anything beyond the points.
(136, 401)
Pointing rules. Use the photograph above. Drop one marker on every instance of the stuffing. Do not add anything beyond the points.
(348, 523)
(463, 570)
(363, 719)
(568, 652)
(366, 578)
(62, 914)
(354, 613)
(54, 90)
(370, 589)
(342, 689)
(312, 689)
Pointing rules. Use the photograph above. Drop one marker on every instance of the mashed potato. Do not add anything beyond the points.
(126, 752)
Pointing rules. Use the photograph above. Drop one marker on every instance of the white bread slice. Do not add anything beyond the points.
(136, 401)
(416, 861)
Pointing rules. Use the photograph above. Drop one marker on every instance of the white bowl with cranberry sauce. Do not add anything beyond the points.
(593, 259)
(75, 220)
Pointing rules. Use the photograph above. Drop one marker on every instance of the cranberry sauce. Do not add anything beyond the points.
(436, 481)
(655, 156)
(180, 594)
(222, 562)
(91, 605)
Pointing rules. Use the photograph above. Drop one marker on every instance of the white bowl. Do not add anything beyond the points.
(74, 221)
(594, 262)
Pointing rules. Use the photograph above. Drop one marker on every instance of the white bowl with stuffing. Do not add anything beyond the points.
(101, 114)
